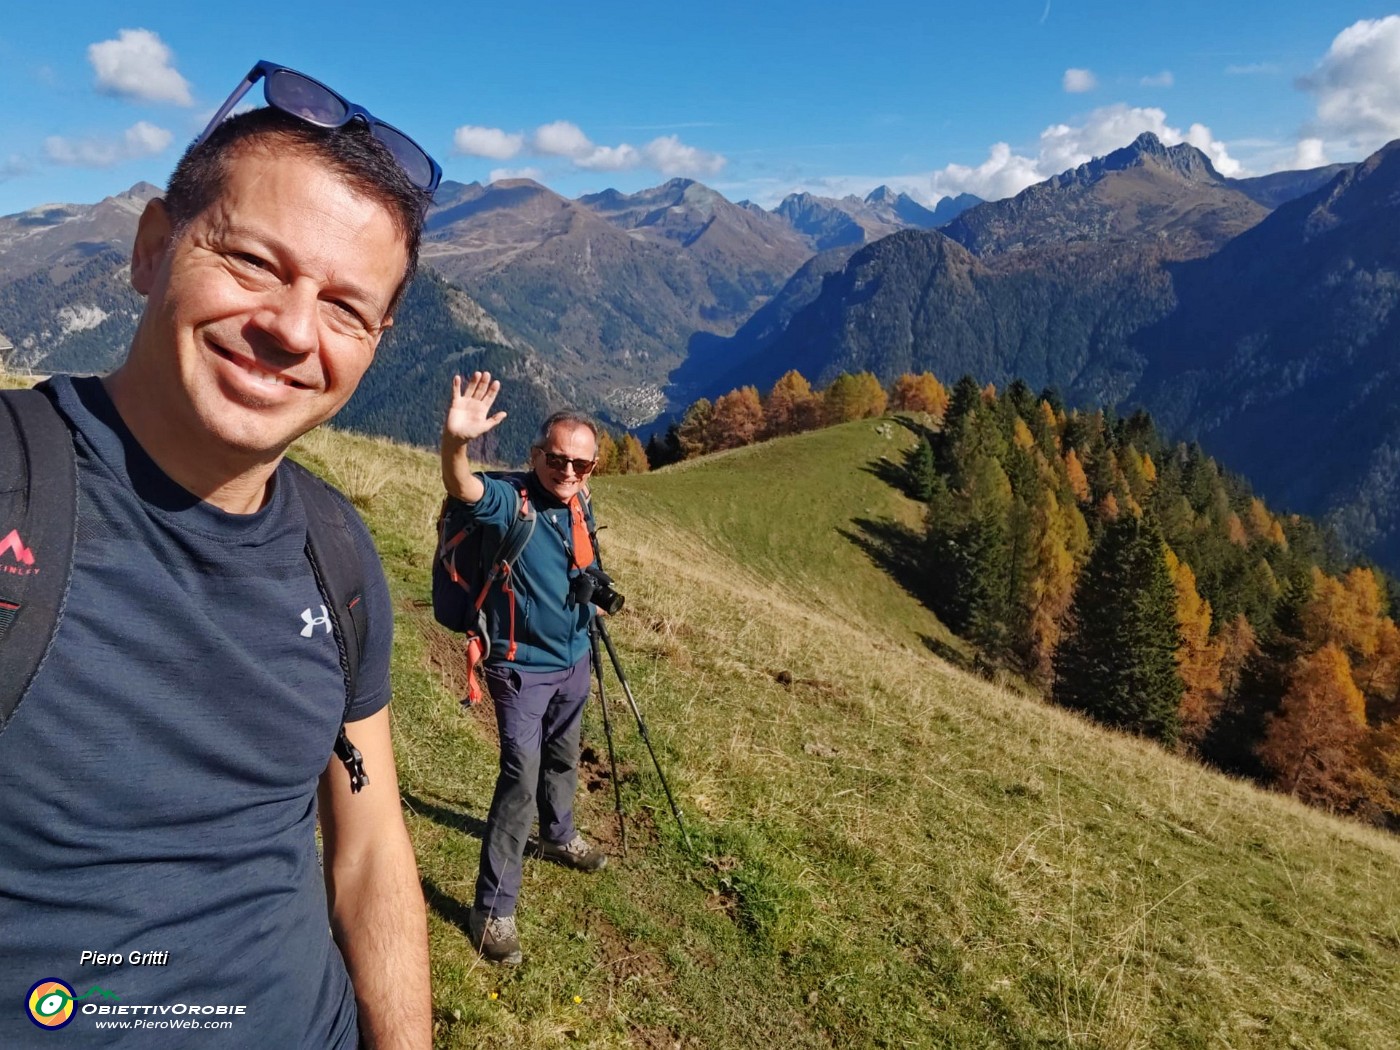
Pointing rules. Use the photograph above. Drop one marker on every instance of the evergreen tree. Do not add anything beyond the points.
(1118, 660)
(1233, 739)
(921, 470)
(985, 569)
(665, 450)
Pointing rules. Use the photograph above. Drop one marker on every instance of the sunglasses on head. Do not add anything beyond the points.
(559, 461)
(297, 94)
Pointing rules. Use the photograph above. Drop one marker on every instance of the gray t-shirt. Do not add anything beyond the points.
(158, 782)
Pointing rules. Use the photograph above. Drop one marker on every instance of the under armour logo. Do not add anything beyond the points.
(312, 622)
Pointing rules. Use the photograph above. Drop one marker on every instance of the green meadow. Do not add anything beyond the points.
(888, 850)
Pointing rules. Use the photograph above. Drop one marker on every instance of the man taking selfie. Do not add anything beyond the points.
(162, 779)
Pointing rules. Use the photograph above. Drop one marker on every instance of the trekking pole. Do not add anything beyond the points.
(607, 732)
(642, 728)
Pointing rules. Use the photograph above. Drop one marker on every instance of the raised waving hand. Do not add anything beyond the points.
(469, 416)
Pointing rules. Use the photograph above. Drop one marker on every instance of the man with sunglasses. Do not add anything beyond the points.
(538, 668)
(161, 783)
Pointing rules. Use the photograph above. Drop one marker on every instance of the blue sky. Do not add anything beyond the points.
(755, 99)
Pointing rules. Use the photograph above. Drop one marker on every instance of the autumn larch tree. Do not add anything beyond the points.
(918, 393)
(693, 434)
(737, 419)
(791, 407)
(1198, 658)
(849, 397)
(1313, 744)
(607, 452)
(631, 457)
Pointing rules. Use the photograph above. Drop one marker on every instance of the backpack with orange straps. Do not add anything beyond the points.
(464, 572)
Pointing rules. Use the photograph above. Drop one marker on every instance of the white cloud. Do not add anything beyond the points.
(137, 66)
(501, 174)
(670, 156)
(1357, 85)
(1002, 174)
(486, 142)
(610, 158)
(561, 139)
(1163, 79)
(667, 154)
(140, 140)
(1309, 154)
(1078, 81)
(1064, 146)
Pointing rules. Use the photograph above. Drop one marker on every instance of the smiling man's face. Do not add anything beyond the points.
(263, 313)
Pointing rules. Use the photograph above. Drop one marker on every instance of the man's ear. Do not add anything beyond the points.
(152, 241)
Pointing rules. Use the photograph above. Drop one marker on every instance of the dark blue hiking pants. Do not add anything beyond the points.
(539, 715)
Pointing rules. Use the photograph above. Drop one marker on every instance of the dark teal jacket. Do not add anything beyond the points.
(551, 632)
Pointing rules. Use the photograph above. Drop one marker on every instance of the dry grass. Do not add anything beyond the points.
(892, 852)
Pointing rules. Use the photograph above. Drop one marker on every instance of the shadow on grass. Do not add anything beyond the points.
(895, 548)
(900, 475)
(447, 906)
(454, 819)
(952, 655)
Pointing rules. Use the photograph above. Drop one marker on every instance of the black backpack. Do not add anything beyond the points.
(464, 572)
(38, 526)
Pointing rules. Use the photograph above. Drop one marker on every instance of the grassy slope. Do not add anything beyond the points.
(890, 852)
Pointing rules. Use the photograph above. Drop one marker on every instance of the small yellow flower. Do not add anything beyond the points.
(495, 995)
(578, 998)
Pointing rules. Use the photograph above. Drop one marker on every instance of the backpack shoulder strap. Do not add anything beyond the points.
(335, 561)
(522, 524)
(38, 529)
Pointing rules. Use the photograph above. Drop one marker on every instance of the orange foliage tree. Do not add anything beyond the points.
(791, 407)
(849, 397)
(737, 419)
(694, 432)
(1074, 472)
(631, 457)
(1312, 746)
(607, 452)
(919, 393)
(1051, 587)
(1198, 659)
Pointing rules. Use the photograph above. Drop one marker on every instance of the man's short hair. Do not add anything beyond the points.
(564, 418)
(350, 150)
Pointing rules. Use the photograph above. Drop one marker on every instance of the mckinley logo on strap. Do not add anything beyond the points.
(15, 558)
(312, 622)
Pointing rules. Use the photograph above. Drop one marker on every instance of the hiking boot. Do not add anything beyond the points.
(495, 937)
(576, 853)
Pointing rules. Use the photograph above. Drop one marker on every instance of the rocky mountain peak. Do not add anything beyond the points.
(1147, 150)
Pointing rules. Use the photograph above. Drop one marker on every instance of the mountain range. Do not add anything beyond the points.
(1256, 315)
(1146, 278)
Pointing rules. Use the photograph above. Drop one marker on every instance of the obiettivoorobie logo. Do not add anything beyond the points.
(50, 1003)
